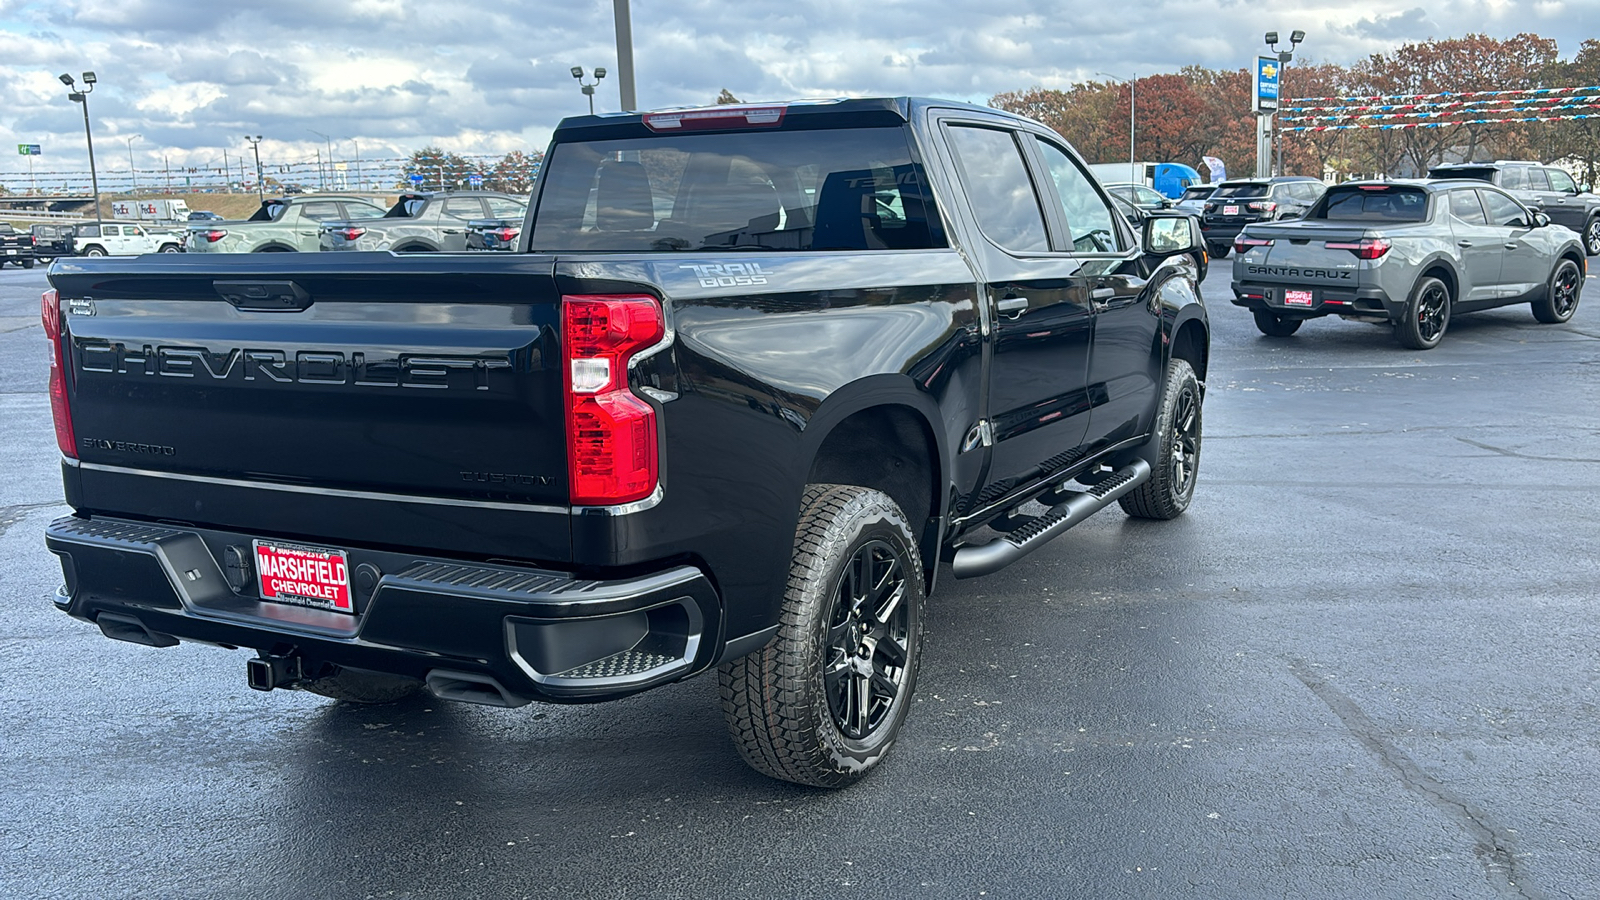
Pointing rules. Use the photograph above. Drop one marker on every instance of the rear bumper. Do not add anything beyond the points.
(1361, 302)
(491, 633)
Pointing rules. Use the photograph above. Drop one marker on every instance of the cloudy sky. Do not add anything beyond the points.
(191, 77)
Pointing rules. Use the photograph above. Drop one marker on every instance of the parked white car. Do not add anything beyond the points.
(123, 239)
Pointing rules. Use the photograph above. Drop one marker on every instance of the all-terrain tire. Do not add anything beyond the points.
(1273, 325)
(1561, 294)
(359, 686)
(95, 251)
(853, 606)
(1175, 463)
(1426, 317)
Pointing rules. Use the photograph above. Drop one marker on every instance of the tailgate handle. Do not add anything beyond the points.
(267, 296)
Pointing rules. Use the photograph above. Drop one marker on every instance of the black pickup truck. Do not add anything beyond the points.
(755, 375)
(15, 246)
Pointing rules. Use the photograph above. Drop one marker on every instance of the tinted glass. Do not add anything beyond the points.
(1088, 218)
(1536, 179)
(1197, 193)
(1387, 205)
(463, 208)
(1476, 174)
(1514, 178)
(997, 183)
(845, 189)
(1464, 205)
(505, 208)
(1561, 181)
(1503, 211)
(320, 210)
(1230, 191)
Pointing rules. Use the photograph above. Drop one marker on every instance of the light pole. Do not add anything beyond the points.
(1130, 83)
(320, 175)
(134, 173)
(77, 96)
(255, 146)
(624, 21)
(588, 89)
(1284, 56)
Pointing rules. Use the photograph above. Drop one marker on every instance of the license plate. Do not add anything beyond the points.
(10, 252)
(1230, 210)
(303, 576)
(1297, 298)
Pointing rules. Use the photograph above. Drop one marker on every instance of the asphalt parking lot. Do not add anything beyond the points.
(1365, 664)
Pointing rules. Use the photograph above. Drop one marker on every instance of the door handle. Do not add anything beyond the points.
(1463, 243)
(1512, 245)
(452, 231)
(1011, 307)
(1102, 293)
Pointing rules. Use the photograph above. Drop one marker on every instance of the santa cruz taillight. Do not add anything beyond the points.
(1366, 248)
(214, 235)
(611, 433)
(351, 233)
(1242, 243)
(60, 410)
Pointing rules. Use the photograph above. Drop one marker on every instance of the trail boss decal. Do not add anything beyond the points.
(728, 274)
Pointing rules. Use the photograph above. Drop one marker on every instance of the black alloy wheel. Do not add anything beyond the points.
(1426, 316)
(1561, 296)
(1591, 237)
(867, 642)
(1174, 449)
(822, 703)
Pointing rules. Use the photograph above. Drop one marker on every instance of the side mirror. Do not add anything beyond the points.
(1169, 235)
(1540, 220)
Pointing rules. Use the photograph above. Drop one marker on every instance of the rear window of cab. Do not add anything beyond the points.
(1373, 204)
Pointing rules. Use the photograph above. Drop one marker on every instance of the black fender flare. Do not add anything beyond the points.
(884, 390)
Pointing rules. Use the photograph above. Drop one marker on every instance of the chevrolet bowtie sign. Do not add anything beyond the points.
(1266, 84)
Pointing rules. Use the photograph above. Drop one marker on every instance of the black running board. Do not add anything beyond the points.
(973, 561)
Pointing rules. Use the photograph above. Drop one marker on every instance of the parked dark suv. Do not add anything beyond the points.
(1243, 201)
(1540, 187)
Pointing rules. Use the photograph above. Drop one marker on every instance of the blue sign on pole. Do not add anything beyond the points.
(475, 180)
(28, 150)
(416, 179)
(1267, 71)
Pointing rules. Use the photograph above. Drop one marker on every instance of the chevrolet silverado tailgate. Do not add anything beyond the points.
(432, 381)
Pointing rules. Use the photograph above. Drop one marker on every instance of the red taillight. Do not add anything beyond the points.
(214, 235)
(1242, 243)
(60, 409)
(1264, 205)
(730, 116)
(350, 234)
(507, 235)
(611, 433)
(1366, 248)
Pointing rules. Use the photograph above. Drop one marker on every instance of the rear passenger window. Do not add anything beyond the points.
(1537, 181)
(321, 211)
(1464, 205)
(1514, 179)
(463, 208)
(996, 180)
(1088, 218)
